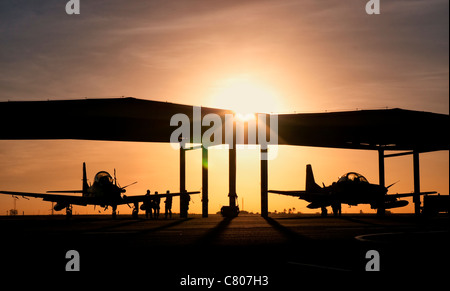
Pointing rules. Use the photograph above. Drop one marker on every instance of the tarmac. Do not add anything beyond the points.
(278, 247)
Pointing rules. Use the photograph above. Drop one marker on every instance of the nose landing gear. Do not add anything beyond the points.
(114, 212)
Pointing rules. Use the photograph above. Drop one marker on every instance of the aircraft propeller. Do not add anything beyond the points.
(392, 184)
(129, 185)
(117, 184)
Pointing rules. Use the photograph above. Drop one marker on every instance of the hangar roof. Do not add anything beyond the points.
(131, 119)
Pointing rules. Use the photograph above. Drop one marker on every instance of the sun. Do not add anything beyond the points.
(245, 96)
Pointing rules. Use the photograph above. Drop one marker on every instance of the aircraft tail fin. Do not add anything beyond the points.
(85, 183)
(311, 185)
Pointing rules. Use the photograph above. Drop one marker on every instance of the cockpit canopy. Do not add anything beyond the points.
(103, 177)
(353, 177)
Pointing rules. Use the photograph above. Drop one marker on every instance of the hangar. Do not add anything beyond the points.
(130, 119)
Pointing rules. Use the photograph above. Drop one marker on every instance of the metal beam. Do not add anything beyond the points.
(416, 197)
(381, 177)
(204, 182)
(264, 184)
(381, 171)
(183, 207)
(407, 153)
(397, 155)
(232, 170)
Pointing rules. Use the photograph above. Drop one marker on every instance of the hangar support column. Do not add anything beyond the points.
(263, 133)
(264, 184)
(232, 169)
(416, 197)
(381, 176)
(204, 181)
(183, 208)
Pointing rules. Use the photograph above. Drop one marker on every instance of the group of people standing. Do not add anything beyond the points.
(152, 206)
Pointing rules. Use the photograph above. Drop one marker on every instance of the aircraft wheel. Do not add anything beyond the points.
(68, 212)
(114, 213)
(381, 211)
(324, 212)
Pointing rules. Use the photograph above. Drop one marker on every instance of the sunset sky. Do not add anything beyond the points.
(250, 56)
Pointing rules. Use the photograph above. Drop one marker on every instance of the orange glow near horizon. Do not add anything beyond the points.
(38, 166)
(246, 95)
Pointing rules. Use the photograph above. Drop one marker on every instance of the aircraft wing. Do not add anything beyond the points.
(408, 194)
(288, 193)
(316, 198)
(66, 191)
(79, 200)
(142, 198)
(67, 199)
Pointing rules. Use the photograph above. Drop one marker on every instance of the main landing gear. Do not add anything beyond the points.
(69, 211)
(336, 207)
(135, 212)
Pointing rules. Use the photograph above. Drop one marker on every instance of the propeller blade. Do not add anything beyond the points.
(392, 184)
(129, 185)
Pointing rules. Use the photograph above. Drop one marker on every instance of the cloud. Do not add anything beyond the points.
(173, 49)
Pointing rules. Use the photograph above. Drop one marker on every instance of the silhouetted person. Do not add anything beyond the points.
(168, 206)
(336, 208)
(148, 205)
(156, 202)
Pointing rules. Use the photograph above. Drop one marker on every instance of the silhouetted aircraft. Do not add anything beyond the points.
(352, 189)
(103, 192)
